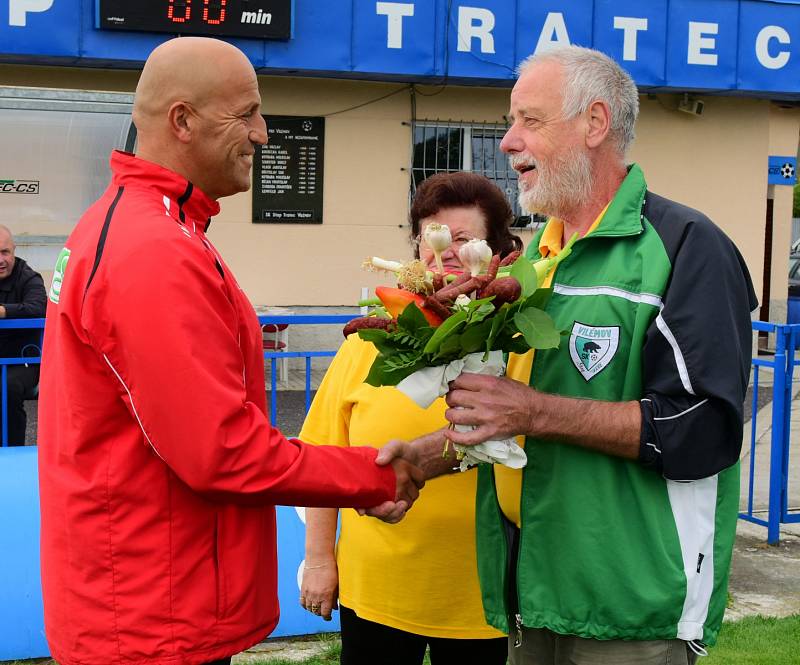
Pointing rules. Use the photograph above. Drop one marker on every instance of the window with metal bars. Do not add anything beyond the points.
(448, 146)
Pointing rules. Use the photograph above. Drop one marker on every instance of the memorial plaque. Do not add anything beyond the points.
(287, 172)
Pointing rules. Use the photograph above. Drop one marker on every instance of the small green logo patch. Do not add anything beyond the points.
(58, 275)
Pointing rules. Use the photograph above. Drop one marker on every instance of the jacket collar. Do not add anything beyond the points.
(624, 214)
(192, 202)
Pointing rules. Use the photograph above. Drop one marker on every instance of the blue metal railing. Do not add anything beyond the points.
(787, 339)
(271, 356)
(15, 324)
(274, 356)
(782, 364)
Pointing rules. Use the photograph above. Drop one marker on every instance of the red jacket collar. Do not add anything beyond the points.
(130, 170)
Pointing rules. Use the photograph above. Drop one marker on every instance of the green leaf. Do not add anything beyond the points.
(498, 321)
(474, 337)
(538, 328)
(538, 299)
(378, 375)
(398, 375)
(386, 342)
(482, 309)
(524, 272)
(411, 318)
(518, 345)
(451, 345)
(450, 325)
(373, 335)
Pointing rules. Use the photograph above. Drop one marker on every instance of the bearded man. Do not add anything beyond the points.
(619, 530)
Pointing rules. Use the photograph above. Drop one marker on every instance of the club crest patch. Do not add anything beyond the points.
(592, 348)
(58, 275)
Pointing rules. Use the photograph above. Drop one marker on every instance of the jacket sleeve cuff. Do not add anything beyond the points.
(649, 451)
(387, 480)
(365, 483)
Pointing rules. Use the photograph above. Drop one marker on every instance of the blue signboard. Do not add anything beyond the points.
(737, 46)
(22, 613)
(782, 170)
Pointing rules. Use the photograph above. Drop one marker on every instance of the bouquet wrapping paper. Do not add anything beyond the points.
(426, 385)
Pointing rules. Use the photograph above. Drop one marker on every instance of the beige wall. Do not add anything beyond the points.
(715, 162)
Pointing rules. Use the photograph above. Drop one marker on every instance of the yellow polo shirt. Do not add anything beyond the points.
(509, 481)
(420, 575)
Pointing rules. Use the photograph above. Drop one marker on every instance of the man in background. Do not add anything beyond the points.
(22, 296)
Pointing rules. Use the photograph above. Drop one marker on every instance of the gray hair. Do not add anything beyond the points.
(591, 76)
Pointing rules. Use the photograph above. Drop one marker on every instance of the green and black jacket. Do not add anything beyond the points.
(657, 301)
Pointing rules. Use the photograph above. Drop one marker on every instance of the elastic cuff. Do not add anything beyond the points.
(649, 449)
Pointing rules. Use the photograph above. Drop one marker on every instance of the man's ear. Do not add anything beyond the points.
(181, 121)
(598, 123)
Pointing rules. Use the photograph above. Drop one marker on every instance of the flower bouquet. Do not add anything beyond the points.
(434, 326)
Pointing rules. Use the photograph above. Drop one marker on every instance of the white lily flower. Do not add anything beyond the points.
(475, 255)
(462, 300)
(438, 238)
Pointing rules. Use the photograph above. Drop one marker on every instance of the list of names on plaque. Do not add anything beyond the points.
(287, 172)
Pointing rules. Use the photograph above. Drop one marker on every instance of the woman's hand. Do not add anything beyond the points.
(319, 591)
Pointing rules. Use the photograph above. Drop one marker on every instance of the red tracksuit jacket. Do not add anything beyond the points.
(158, 467)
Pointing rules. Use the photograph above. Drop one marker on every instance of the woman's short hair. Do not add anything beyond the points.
(463, 190)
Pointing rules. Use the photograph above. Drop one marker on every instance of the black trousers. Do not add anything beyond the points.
(21, 380)
(224, 661)
(369, 643)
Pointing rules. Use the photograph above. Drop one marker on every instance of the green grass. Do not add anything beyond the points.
(757, 641)
(751, 641)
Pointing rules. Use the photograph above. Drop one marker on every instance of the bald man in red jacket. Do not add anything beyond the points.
(159, 470)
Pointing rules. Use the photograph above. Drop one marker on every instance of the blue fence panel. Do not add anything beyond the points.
(782, 363)
(15, 324)
(274, 356)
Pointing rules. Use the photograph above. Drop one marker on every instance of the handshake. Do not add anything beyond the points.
(492, 408)
(413, 462)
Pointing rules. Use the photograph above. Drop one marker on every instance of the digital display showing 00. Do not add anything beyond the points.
(254, 19)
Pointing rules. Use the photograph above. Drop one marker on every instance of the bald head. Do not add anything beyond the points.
(186, 69)
(6, 235)
(7, 248)
(198, 113)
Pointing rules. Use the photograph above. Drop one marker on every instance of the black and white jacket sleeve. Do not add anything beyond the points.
(696, 357)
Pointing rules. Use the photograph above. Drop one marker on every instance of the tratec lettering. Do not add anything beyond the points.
(476, 26)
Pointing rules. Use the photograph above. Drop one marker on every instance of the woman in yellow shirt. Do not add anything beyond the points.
(403, 587)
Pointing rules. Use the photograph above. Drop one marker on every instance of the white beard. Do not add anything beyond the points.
(563, 184)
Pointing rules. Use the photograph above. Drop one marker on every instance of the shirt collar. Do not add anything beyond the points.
(192, 202)
(550, 240)
(550, 243)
